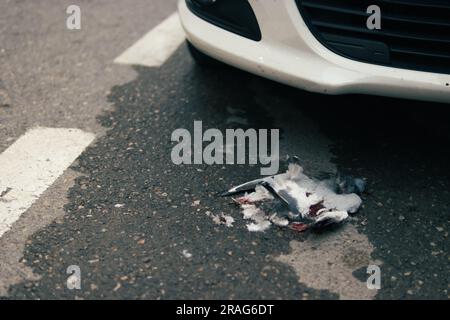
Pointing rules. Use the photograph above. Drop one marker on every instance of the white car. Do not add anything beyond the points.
(329, 46)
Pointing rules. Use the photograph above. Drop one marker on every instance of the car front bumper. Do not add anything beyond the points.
(290, 54)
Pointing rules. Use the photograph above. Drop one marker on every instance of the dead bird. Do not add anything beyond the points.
(319, 203)
(341, 184)
(251, 185)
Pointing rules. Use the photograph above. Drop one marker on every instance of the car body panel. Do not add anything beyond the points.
(289, 53)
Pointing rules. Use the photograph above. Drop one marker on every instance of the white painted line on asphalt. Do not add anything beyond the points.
(154, 48)
(30, 165)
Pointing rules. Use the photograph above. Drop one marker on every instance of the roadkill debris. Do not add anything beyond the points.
(221, 219)
(294, 200)
(186, 254)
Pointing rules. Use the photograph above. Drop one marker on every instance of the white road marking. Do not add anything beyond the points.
(32, 164)
(154, 48)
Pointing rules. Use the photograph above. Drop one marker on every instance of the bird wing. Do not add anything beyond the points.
(247, 186)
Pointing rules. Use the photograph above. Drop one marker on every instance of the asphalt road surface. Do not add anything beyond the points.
(139, 226)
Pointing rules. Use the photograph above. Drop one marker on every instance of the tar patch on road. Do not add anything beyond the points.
(132, 227)
(130, 220)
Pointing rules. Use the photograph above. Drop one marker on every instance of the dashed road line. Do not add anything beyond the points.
(154, 48)
(32, 164)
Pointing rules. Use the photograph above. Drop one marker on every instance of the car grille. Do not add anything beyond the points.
(414, 34)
